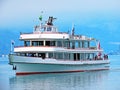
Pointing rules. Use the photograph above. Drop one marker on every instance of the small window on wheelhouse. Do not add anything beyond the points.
(49, 28)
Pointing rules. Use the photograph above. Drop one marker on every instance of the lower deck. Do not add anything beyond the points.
(65, 56)
(23, 59)
(35, 65)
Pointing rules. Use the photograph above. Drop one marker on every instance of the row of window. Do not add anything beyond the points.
(58, 43)
(61, 56)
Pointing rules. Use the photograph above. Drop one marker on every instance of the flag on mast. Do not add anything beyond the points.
(40, 17)
(12, 42)
(98, 47)
(73, 30)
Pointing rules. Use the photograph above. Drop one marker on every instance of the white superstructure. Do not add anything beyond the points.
(46, 50)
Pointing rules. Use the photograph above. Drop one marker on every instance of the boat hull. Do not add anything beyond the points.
(32, 65)
(23, 69)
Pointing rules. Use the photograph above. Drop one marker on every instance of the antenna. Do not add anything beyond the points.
(73, 30)
(41, 18)
(12, 45)
(50, 20)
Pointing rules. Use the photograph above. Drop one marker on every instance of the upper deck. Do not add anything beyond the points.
(44, 35)
(53, 36)
(49, 31)
(46, 41)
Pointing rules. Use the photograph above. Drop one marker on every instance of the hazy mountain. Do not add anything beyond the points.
(106, 32)
(5, 40)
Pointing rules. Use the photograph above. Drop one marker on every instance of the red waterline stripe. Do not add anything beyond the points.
(28, 73)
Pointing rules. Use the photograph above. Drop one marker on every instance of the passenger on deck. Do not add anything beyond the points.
(96, 57)
(105, 57)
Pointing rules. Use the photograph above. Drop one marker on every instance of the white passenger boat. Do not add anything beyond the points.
(46, 50)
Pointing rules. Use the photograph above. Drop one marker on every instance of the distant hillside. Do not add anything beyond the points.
(5, 40)
(117, 52)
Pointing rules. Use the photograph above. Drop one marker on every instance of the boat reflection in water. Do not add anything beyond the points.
(68, 81)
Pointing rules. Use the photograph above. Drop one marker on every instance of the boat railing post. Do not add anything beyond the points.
(12, 45)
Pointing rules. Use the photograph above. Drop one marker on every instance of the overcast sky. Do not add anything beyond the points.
(18, 10)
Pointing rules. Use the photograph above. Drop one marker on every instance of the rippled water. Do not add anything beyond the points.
(95, 80)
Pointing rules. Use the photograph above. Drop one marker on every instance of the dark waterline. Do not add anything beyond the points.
(97, 80)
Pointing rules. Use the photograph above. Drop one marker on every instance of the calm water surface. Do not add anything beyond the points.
(96, 80)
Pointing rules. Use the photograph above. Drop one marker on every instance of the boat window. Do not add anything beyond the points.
(59, 55)
(22, 54)
(80, 44)
(76, 56)
(40, 43)
(49, 28)
(50, 43)
(50, 55)
(81, 56)
(83, 44)
(66, 56)
(86, 44)
(47, 43)
(34, 43)
(76, 44)
(42, 55)
(32, 54)
(59, 43)
(26, 43)
(66, 44)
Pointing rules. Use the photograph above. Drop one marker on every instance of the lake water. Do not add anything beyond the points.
(94, 80)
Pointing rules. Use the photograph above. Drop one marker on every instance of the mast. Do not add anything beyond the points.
(11, 46)
(38, 28)
(73, 30)
(41, 18)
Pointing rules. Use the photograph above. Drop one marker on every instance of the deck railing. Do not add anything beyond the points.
(58, 47)
(90, 59)
(21, 33)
